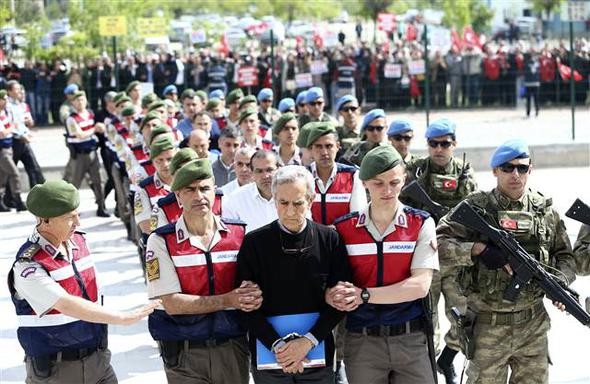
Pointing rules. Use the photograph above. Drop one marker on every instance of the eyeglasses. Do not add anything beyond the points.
(349, 109)
(377, 128)
(295, 251)
(442, 144)
(509, 168)
(316, 103)
(260, 171)
(402, 137)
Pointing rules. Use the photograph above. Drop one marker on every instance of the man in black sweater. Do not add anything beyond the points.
(293, 260)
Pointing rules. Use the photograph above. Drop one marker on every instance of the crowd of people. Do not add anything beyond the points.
(393, 75)
(260, 229)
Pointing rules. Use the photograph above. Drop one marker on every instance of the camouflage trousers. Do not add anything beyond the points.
(522, 347)
(448, 286)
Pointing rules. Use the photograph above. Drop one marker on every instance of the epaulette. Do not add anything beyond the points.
(166, 229)
(27, 251)
(145, 182)
(233, 221)
(137, 146)
(416, 212)
(346, 217)
(168, 199)
(345, 168)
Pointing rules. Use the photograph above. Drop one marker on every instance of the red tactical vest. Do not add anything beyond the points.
(148, 167)
(140, 153)
(335, 202)
(154, 188)
(192, 264)
(376, 264)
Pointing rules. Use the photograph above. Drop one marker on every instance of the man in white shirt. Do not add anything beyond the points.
(253, 203)
(243, 171)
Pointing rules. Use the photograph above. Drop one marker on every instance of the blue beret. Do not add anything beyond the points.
(399, 126)
(285, 104)
(372, 115)
(217, 94)
(345, 99)
(313, 94)
(510, 150)
(265, 94)
(440, 127)
(71, 89)
(301, 97)
(170, 89)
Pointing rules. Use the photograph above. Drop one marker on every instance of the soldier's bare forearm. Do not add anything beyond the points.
(184, 304)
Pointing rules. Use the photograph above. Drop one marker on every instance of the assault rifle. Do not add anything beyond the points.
(525, 268)
(579, 211)
(415, 192)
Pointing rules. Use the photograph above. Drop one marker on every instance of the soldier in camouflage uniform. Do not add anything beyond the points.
(507, 334)
(349, 132)
(447, 180)
(373, 131)
(582, 251)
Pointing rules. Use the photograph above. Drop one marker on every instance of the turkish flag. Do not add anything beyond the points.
(455, 39)
(470, 37)
(566, 73)
(224, 46)
(509, 224)
(411, 32)
(449, 184)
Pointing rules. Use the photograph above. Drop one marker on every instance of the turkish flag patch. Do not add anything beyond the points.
(449, 184)
(509, 224)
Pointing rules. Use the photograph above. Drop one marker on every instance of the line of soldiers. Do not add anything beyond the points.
(191, 253)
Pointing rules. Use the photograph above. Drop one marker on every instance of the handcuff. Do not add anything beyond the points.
(284, 340)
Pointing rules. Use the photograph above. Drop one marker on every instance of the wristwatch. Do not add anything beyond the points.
(365, 295)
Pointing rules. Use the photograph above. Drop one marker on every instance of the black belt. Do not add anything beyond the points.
(67, 355)
(205, 343)
(391, 330)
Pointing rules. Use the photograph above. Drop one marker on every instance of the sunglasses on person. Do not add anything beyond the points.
(372, 128)
(405, 138)
(443, 144)
(349, 109)
(316, 103)
(509, 168)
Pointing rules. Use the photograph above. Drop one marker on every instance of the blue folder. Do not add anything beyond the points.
(301, 324)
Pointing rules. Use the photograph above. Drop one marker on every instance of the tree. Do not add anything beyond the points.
(459, 13)
(546, 6)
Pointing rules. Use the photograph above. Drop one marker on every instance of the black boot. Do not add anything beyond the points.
(18, 204)
(102, 212)
(446, 367)
(3, 207)
(7, 202)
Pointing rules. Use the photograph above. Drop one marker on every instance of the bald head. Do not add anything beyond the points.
(198, 140)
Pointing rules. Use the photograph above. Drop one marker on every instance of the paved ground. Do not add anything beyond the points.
(135, 357)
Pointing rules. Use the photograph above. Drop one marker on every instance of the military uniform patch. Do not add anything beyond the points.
(137, 207)
(152, 268)
(28, 271)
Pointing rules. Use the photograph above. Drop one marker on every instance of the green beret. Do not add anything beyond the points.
(212, 103)
(317, 130)
(193, 170)
(78, 94)
(248, 99)
(148, 99)
(118, 97)
(202, 95)
(183, 156)
(378, 160)
(128, 111)
(234, 95)
(122, 100)
(147, 118)
(247, 112)
(188, 93)
(303, 133)
(284, 119)
(159, 130)
(3, 93)
(160, 145)
(156, 104)
(52, 199)
(131, 85)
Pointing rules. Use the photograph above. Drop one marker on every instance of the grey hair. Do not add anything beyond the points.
(290, 174)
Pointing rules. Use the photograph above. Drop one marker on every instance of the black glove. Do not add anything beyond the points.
(493, 257)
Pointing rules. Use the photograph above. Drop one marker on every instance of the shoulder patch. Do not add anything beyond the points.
(28, 251)
(166, 229)
(145, 182)
(232, 221)
(346, 217)
(168, 199)
(417, 212)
